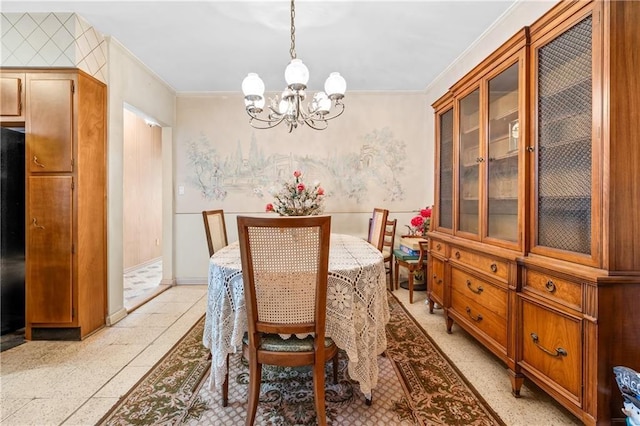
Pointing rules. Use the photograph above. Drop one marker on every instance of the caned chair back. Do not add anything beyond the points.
(215, 230)
(285, 263)
(377, 229)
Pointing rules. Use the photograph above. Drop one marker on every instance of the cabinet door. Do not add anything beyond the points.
(445, 169)
(469, 163)
(563, 205)
(12, 97)
(502, 165)
(49, 249)
(49, 124)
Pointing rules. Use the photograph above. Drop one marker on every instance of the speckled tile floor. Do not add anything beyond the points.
(141, 284)
(75, 383)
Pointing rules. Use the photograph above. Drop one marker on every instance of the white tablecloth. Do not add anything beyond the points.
(357, 308)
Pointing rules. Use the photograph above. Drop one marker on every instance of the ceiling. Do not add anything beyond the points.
(210, 46)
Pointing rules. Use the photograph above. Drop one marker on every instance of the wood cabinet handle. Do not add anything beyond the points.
(494, 268)
(476, 319)
(475, 290)
(550, 286)
(558, 352)
(37, 163)
(435, 278)
(35, 223)
(457, 254)
(438, 247)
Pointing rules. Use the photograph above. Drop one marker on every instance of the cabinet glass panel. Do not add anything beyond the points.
(445, 202)
(468, 195)
(564, 140)
(502, 167)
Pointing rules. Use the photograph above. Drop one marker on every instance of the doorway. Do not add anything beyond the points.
(142, 208)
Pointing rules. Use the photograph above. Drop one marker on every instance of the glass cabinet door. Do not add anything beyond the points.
(564, 145)
(445, 178)
(502, 164)
(469, 163)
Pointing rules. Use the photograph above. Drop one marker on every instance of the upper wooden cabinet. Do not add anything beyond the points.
(12, 97)
(553, 177)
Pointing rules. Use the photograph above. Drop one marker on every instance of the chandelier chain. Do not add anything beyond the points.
(292, 51)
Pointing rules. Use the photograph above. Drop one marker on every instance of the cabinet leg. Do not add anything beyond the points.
(516, 383)
(430, 305)
(449, 324)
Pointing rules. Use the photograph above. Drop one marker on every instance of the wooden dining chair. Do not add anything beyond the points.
(412, 264)
(387, 250)
(377, 228)
(215, 230)
(285, 263)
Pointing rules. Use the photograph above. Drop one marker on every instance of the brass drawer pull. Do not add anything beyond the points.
(435, 278)
(438, 247)
(550, 286)
(494, 267)
(475, 290)
(476, 319)
(35, 223)
(37, 163)
(557, 353)
(457, 254)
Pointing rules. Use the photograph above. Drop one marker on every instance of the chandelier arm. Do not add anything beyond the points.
(269, 124)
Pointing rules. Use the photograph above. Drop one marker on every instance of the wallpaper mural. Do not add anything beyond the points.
(364, 159)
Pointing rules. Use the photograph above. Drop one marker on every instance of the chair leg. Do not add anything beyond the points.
(318, 390)
(396, 275)
(255, 378)
(410, 285)
(335, 368)
(225, 386)
(392, 284)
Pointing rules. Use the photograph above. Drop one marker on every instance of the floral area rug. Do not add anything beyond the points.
(417, 386)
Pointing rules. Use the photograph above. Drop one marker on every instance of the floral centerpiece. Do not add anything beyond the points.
(297, 198)
(420, 223)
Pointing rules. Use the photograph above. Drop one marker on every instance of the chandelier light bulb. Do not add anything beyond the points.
(296, 75)
(253, 87)
(335, 86)
(320, 104)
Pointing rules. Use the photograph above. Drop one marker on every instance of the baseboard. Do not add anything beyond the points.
(168, 281)
(116, 317)
(191, 281)
(142, 265)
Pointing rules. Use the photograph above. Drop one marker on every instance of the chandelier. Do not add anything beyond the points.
(288, 108)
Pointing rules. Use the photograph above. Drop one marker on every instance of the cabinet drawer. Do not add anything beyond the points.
(436, 269)
(438, 247)
(482, 317)
(552, 346)
(480, 292)
(491, 266)
(565, 292)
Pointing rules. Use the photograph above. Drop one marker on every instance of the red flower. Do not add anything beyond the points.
(269, 207)
(320, 191)
(417, 221)
(297, 173)
(426, 212)
(300, 187)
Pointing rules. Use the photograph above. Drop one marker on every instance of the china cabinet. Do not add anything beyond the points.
(480, 175)
(65, 165)
(572, 215)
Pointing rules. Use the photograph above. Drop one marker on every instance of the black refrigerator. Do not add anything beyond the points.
(12, 230)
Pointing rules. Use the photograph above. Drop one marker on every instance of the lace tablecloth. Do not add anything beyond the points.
(357, 308)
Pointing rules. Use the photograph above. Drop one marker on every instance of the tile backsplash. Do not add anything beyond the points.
(53, 40)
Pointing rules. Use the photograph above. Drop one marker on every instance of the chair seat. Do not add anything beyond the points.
(405, 257)
(275, 343)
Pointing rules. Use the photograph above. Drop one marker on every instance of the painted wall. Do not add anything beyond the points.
(131, 83)
(375, 155)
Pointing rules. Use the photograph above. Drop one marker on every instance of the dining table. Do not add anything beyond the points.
(357, 308)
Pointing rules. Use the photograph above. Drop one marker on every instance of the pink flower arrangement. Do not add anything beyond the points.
(420, 223)
(297, 198)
